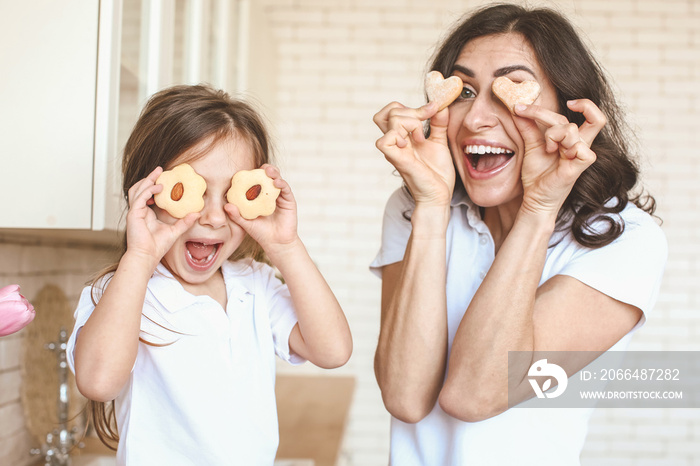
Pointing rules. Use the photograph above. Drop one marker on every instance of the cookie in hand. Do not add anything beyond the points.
(183, 191)
(511, 93)
(254, 193)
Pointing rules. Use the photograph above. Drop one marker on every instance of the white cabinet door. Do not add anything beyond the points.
(47, 112)
(74, 76)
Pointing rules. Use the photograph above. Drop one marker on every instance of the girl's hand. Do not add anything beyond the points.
(424, 164)
(278, 229)
(554, 159)
(145, 234)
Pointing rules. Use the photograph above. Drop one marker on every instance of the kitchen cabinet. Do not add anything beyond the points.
(75, 77)
(48, 114)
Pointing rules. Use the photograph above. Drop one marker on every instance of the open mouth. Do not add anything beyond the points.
(201, 255)
(485, 159)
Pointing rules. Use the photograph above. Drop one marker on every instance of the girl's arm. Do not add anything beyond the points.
(106, 347)
(322, 334)
(412, 350)
(509, 312)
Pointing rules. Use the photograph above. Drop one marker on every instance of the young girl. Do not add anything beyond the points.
(182, 332)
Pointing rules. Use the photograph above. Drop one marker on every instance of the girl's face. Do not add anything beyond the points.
(198, 254)
(485, 143)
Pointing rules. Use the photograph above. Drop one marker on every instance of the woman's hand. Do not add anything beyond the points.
(145, 234)
(424, 164)
(555, 158)
(277, 230)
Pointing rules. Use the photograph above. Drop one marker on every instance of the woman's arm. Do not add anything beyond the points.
(412, 351)
(106, 347)
(510, 313)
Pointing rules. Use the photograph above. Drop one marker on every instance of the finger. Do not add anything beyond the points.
(421, 113)
(581, 152)
(141, 197)
(541, 115)
(270, 170)
(405, 124)
(153, 176)
(389, 143)
(564, 136)
(145, 183)
(381, 118)
(595, 119)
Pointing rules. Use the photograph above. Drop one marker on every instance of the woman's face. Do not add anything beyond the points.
(485, 143)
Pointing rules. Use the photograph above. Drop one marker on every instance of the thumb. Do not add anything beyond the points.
(186, 223)
(438, 126)
(235, 215)
(531, 134)
(527, 127)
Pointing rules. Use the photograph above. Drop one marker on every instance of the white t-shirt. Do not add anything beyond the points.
(204, 394)
(629, 269)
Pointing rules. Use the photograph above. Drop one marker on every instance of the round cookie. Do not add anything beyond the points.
(512, 94)
(253, 192)
(182, 191)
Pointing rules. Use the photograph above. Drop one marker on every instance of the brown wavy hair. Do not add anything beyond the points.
(174, 121)
(575, 74)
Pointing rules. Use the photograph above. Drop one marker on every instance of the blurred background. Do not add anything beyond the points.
(318, 70)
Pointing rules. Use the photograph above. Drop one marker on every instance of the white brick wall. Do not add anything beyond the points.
(337, 63)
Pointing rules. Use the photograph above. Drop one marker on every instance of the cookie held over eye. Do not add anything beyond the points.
(511, 93)
(441, 90)
(182, 191)
(254, 193)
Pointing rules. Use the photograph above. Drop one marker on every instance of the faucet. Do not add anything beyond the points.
(59, 442)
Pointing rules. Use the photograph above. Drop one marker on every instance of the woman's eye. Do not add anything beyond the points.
(467, 93)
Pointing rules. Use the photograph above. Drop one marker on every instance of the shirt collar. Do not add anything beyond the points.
(173, 297)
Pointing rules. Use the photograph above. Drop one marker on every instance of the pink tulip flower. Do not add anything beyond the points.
(15, 311)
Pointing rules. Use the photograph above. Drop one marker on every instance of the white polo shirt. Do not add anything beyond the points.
(629, 269)
(206, 396)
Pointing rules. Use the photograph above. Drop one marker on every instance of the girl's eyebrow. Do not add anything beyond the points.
(499, 72)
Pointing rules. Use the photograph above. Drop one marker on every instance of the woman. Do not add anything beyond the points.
(512, 233)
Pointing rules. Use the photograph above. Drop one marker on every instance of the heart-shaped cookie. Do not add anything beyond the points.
(511, 93)
(441, 90)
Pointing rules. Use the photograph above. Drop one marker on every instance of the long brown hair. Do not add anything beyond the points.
(173, 121)
(575, 74)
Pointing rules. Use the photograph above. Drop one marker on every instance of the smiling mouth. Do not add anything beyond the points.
(487, 158)
(201, 254)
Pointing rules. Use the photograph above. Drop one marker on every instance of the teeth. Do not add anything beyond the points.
(481, 150)
(207, 259)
